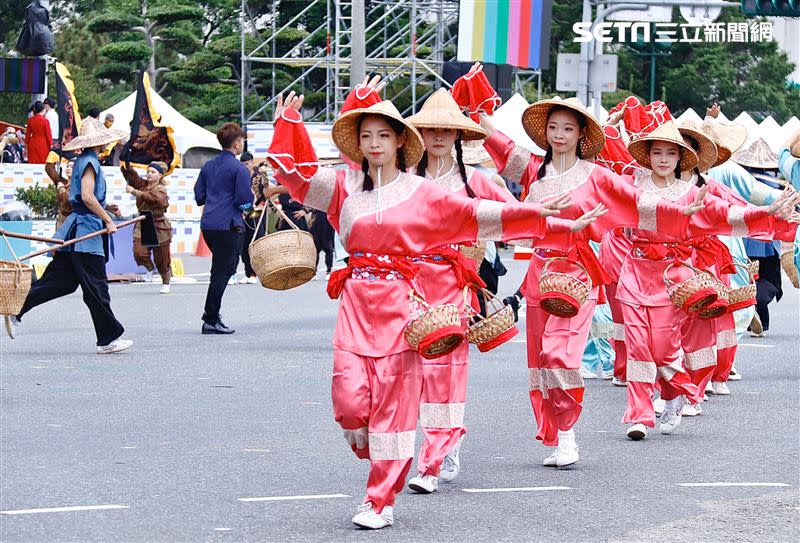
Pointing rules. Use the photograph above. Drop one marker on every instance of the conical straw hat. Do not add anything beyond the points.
(346, 139)
(757, 155)
(729, 135)
(94, 134)
(534, 121)
(709, 152)
(440, 110)
(665, 132)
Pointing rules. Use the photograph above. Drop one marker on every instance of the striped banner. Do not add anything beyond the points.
(515, 32)
(22, 75)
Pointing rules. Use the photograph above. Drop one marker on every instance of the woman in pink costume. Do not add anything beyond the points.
(386, 218)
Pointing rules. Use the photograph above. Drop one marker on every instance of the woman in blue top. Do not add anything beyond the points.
(84, 263)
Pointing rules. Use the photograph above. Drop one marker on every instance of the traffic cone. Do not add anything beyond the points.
(202, 249)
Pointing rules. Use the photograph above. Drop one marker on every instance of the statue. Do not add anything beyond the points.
(36, 38)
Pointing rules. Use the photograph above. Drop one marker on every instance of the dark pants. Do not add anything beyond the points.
(63, 275)
(249, 235)
(768, 286)
(490, 273)
(225, 246)
(323, 234)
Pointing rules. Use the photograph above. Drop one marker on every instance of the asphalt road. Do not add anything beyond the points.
(181, 428)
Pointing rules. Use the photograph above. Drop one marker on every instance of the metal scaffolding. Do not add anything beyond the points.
(407, 42)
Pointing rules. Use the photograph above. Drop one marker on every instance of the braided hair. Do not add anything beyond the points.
(696, 146)
(399, 129)
(462, 168)
(548, 156)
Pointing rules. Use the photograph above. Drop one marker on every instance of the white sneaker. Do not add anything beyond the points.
(116, 346)
(164, 289)
(567, 449)
(451, 465)
(367, 518)
(328, 276)
(11, 325)
(709, 388)
(637, 432)
(734, 375)
(617, 382)
(760, 334)
(586, 373)
(424, 484)
(232, 280)
(691, 410)
(148, 276)
(252, 280)
(552, 460)
(659, 405)
(720, 389)
(607, 375)
(671, 418)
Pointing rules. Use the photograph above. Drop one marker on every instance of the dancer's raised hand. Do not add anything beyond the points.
(698, 203)
(292, 101)
(588, 218)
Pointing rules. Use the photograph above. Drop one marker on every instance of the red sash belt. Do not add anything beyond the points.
(710, 251)
(662, 251)
(401, 264)
(464, 270)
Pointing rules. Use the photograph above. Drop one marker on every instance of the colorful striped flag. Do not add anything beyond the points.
(515, 32)
(22, 75)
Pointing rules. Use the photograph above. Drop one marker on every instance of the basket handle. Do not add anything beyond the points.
(575, 263)
(488, 297)
(414, 297)
(10, 248)
(258, 226)
(283, 215)
(668, 281)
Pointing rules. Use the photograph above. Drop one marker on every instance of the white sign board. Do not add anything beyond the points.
(653, 14)
(602, 74)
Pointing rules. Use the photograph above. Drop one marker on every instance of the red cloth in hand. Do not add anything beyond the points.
(291, 147)
(475, 95)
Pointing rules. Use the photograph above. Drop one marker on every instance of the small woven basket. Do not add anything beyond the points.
(562, 294)
(475, 253)
(720, 306)
(694, 294)
(15, 283)
(493, 330)
(283, 260)
(436, 331)
(739, 298)
(787, 263)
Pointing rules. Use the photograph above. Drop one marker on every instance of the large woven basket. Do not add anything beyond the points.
(15, 283)
(720, 306)
(436, 331)
(475, 253)
(739, 298)
(787, 262)
(693, 294)
(283, 260)
(563, 294)
(493, 330)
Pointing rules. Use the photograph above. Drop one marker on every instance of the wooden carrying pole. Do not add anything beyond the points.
(29, 237)
(82, 238)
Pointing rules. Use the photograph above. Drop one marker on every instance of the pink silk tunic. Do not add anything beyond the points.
(408, 216)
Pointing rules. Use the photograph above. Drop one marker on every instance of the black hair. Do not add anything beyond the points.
(462, 169)
(50, 102)
(548, 156)
(38, 107)
(94, 112)
(247, 155)
(399, 129)
(696, 146)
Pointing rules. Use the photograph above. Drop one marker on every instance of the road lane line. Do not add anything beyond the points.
(62, 509)
(759, 345)
(288, 498)
(518, 489)
(719, 483)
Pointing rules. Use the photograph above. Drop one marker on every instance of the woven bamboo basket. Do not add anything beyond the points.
(693, 294)
(494, 329)
(739, 298)
(787, 263)
(562, 294)
(720, 306)
(15, 283)
(475, 253)
(436, 331)
(283, 260)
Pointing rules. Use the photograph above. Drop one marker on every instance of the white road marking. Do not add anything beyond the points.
(62, 509)
(257, 450)
(517, 489)
(719, 483)
(222, 529)
(288, 498)
(760, 345)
